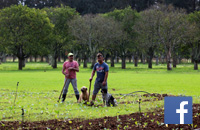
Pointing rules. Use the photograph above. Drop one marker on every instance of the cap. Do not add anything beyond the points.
(70, 54)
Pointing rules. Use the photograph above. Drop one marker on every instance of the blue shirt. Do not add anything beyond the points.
(101, 69)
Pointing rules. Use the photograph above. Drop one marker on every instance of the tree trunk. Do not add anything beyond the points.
(20, 56)
(169, 66)
(23, 62)
(141, 57)
(54, 64)
(150, 62)
(31, 58)
(54, 57)
(59, 58)
(136, 60)
(179, 60)
(42, 60)
(192, 59)
(129, 58)
(14, 57)
(85, 61)
(65, 58)
(150, 57)
(4, 58)
(174, 61)
(157, 60)
(144, 61)
(195, 64)
(20, 64)
(35, 58)
(93, 60)
(123, 62)
(163, 59)
(47, 59)
(106, 59)
(79, 61)
(112, 61)
(117, 59)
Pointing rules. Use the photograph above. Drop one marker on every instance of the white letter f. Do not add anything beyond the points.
(182, 111)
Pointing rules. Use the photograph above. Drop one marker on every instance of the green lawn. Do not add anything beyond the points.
(40, 86)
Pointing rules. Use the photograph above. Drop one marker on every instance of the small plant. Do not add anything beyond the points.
(145, 114)
(136, 123)
(158, 122)
(132, 119)
(145, 124)
(125, 127)
(2, 124)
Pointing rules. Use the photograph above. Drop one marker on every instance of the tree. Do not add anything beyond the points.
(94, 32)
(194, 37)
(173, 29)
(189, 5)
(147, 28)
(22, 28)
(126, 17)
(1, 49)
(59, 17)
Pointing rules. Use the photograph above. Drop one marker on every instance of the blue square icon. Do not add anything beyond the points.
(178, 110)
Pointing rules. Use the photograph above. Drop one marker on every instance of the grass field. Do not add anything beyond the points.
(40, 86)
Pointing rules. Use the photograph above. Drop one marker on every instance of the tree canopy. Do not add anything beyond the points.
(22, 29)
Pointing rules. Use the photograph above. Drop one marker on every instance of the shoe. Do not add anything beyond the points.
(63, 97)
(91, 103)
(77, 97)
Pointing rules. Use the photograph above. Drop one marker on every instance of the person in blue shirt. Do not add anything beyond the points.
(102, 74)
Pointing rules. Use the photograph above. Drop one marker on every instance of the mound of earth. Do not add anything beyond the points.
(134, 121)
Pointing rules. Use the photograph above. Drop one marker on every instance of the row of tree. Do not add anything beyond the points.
(103, 6)
(156, 32)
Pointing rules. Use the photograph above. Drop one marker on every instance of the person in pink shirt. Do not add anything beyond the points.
(69, 69)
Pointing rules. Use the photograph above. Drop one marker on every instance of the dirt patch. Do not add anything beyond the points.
(136, 121)
(113, 89)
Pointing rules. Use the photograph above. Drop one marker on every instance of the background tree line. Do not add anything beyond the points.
(161, 32)
(103, 6)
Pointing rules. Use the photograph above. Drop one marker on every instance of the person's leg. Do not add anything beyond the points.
(104, 87)
(65, 90)
(94, 97)
(74, 84)
(95, 91)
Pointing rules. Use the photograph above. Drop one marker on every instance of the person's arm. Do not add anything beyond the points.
(105, 78)
(106, 75)
(76, 68)
(92, 75)
(64, 72)
(63, 69)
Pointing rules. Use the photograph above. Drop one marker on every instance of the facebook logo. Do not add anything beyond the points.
(178, 110)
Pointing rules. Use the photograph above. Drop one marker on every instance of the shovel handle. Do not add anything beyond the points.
(89, 90)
